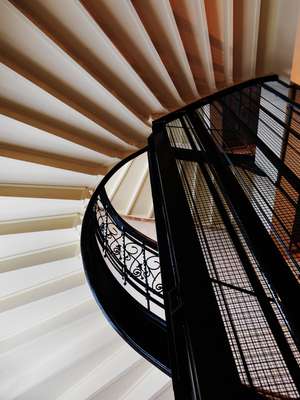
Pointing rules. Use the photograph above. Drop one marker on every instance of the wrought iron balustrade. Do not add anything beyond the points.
(132, 256)
(123, 269)
(231, 259)
(225, 178)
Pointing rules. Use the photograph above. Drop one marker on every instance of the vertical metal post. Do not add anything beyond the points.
(146, 277)
(201, 360)
(124, 257)
(280, 278)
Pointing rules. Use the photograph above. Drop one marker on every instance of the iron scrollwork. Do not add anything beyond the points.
(134, 258)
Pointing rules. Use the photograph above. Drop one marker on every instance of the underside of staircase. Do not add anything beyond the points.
(80, 84)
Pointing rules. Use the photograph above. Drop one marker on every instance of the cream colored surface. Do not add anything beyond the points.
(84, 79)
(277, 34)
(80, 83)
(295, 74)
(147, 227)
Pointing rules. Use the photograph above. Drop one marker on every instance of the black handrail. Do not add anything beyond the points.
(214, 96)
(122, 268)
(231, 226)
(116, 217)
(230, 288)
(133, 255)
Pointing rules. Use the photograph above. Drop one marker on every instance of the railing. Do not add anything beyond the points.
(231, 256)
(225, 177)
(132, 256)
(123, 270)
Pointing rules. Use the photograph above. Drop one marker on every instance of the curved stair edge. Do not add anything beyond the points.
(141, 329)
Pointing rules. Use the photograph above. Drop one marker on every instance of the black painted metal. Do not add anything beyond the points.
(230, 278)
(209, 99)
(272, 263)
(288, 120)
(264, 300)
(130, 255)
(195, 168)
(108, 243)
(282, 96)
(282, 279)
(271, 156)
(200, 352)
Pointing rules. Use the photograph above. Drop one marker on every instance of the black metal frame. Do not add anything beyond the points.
(133, 255)
(271, 282)
(195, 364)
(133, 259)
(230, 283)
(109, 243)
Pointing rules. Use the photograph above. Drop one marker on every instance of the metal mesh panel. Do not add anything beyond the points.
(258, 359)
(133, 263)
(273, 197)
(177, 135)
(256, 132)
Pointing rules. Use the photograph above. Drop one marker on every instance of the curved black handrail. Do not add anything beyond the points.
(131, 254)
(119, 220)
(122, 268)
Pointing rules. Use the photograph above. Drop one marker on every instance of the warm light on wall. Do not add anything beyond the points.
(295, 75)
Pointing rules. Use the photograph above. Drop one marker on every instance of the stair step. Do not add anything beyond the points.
(25, 207)
(127, 187)
(12, 245)
(38, 224)
(47, 363)
(116, 179)
(43, 192)
(94, 48)
(60, 381)
(159, 21)
(167, 394)
(28, 173)
(195, 38)
(28, 321)
(26, 249)
(139, 183)
(41, 256)
(128, 380)
(143, 201)
(148, 386)
(109, 379)
(245, 38)
(33, 283)
(16, 133)
(65, 79)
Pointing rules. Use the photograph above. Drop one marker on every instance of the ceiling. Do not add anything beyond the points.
(81, 81)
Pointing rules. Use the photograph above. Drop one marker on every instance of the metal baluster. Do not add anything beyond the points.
(105, 231)
(124, 258)
(147, 294)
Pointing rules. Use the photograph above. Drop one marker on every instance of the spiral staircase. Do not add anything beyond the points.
(80, 84)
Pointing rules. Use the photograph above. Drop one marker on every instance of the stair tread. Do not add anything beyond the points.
(24, 207)
(109, 378)
(19, 243)
(25, 278)
(53, 352)
(148, 386)
(28, 320)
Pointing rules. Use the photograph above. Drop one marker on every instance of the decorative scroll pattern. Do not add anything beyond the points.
(135, 260)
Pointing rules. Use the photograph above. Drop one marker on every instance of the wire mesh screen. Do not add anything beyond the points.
(133, 262)
(273, 196)
(258, 359)
(177, 135)
(257, 131)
